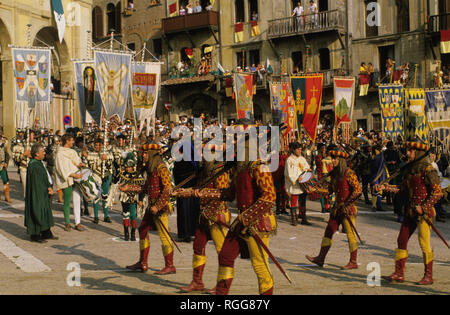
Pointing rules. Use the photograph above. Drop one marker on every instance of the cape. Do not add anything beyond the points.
(38, 209)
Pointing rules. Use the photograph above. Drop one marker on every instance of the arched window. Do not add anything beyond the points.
(97, 23)
(118, 28)
(111, 16)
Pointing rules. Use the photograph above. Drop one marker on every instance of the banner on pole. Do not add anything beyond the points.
(113, 74)
(415, 119)
(391, 102)
(243, 87)
(438, 115)
(87, 91)
(146, 77)
(283, 110)
(344, 99)
(32, 74)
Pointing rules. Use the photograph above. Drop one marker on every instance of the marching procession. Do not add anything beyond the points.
(104, 167)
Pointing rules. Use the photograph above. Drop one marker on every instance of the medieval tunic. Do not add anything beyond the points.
(38, 209)
(253, 189)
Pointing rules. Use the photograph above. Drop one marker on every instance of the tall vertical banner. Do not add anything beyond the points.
(283, 110)
(438, 115)
(307, 91)
(87, 90)
(415, 119)
(113, 74)
(344, 99)
(146, 77)
(392, 115)
(32, 76)
(58, 11)
(243, 87)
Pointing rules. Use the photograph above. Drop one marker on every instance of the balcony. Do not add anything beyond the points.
(328, 76)
(437, 23)
(307, 24)
(205, 19)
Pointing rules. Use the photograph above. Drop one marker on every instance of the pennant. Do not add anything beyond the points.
(144, 91)
(344, 99)
(243, 87)
(391, 102)
(87, 91)
(255, 28)
(113, 75)
(364, 83)
(173, 7)
(415, 118)
(445, 41)
(438, 115)
(59, 18)
(283, 110)
(239, 32)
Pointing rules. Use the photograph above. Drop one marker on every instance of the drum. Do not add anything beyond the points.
(445, 182)
(307, 183)
(89, 188)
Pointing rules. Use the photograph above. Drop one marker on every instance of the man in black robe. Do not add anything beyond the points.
(38, 190)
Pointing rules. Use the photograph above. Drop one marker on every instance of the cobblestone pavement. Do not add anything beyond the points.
(101, 254)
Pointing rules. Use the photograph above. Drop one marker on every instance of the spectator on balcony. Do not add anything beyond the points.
(253, 68)
(198, 7)
(389, 68)
(203, 69)
(313, 11)
(189, 8)
(254, 16)
(208, 7)
(182, 10)
(363, 68)
(181, 66)
(446, 72)
(371, 70)
(299, 14)
(405, 73)
(130, 5)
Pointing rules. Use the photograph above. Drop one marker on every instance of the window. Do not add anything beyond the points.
(402, 16)
(131, 46)
(97, 23)
(361, 124)
(254, 57)
(297, 61)
(376, 122)
(385, 52)
(323, 5)
(239, 11)
(370, 30)
(118, 28)
(241, 59)
(253, 10)
(324, 56)
(111, 16)
(157, 47)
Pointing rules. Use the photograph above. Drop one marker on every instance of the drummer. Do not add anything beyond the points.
(296, 168)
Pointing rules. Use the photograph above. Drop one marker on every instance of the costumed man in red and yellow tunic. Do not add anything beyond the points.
(158, 187)
(214, 217)
(344, 183)
(423, 189)
(252, 187)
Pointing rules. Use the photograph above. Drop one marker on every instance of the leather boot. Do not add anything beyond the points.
(142, 264)
(169, 268)
(294, 216)
(352, 263)
(303, 216)
(398, 275)
(223, 286)
(428, 276)
(126, 235)
(133, 235)
(211, 291)
(197, 282)
(319, 260)
(7, 195)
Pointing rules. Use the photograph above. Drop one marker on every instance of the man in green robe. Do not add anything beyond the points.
(38, 209)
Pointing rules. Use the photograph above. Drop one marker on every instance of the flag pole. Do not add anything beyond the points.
(415, 74)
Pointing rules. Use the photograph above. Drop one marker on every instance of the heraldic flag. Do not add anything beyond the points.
(243, 87)
(438, 115)
(307, 92)
(87, 91)
(415, 119)
(59, 18)
(144, 90)
(344, 98)
(113, 74)
(283, 110)
(32, 71)
(391, 102)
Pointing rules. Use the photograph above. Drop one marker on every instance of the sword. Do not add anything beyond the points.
(167, 232)
(437, 232)
(354, 228)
